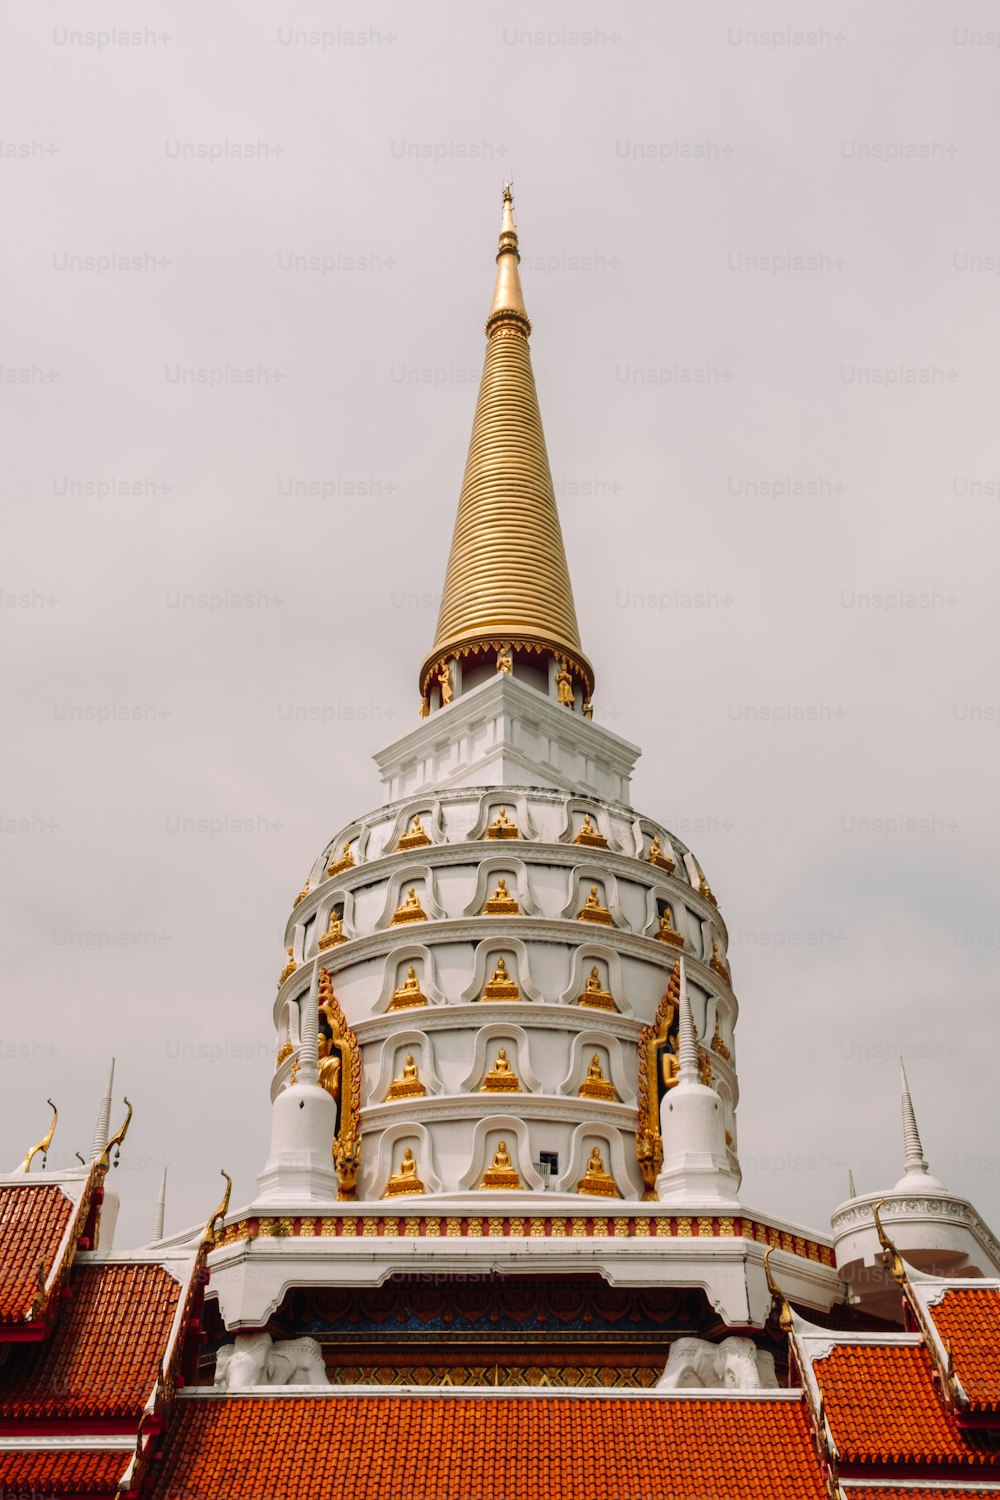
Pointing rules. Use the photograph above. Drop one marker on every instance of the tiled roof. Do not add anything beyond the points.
(103, 1356)
(882, 1407)
(969, 1319)
(459, 1448)
(61, 1471)
(33, 1221)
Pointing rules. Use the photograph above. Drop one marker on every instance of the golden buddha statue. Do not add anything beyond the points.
(706, 889)
(593, 911)
(333, 935)
(409, 910)
(345, 861)
(595, 1085)
(405, 1179)
(289, 969)
(718, 963)
(670, 1069)
(328, 1067)
(589, 835)
(502, 1175)
(594, 995)
(564, 685)
(718, 1044)
(657, 857)
(667, 932)
(409, 992)
(501, 1078)
(588, 709)
(425, 707)
(414, 837)
(501, 903)
(501, 986)
(444, 681)
(302, 894)
(285, 1050)
(502, 827)
(505, 662)
(408, 1085)
(597, 1179)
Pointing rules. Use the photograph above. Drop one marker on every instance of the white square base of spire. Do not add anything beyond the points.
(505, 733)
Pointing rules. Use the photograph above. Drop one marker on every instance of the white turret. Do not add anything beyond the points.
(916, 1178)
(299, 1168)
(696, 1166)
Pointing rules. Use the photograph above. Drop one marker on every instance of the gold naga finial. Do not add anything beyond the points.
(45, 1142)
(507, 587)
(777, 1295)
(115, 1142)
(213, 1230)
(895, 1261)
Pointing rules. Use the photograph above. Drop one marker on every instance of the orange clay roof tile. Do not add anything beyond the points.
(969, 1319)
(445, 1448)
(61, 1472)
(882, 1407)
(103, 1356)
(33, 1221)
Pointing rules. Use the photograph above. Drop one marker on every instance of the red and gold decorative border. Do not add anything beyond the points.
(386, 1226)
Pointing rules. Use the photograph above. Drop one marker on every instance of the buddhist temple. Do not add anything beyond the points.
(499, 1246)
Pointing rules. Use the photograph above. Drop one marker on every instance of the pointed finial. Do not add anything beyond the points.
(915, 1160)
(308, 1071)
(777, 1295)
(893, 1259)
(45, 1142)
(213, 1229)
(852, 1191)
(103, 1123)
(161, 1206)
(508, 299)
(116, 1141)
(687, 1050)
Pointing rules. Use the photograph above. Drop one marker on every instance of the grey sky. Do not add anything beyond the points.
(654, 167)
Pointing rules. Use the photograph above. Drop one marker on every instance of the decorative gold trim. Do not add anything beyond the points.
(649, 1142)
(216, 1226)
(45, 1142)
(347, 1142)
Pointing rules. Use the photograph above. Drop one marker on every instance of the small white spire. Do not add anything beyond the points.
(915, 1160)
(103, 1126)
(161, 1208)
(687, 1049)
(309, 1034)
(852, 1191)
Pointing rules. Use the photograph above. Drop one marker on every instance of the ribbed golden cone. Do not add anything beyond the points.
(507, 578)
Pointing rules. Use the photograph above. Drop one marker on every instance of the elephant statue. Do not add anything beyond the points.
(735, 1364)
(255, 1359)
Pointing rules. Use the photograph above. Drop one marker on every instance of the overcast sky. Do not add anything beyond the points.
(762, 265)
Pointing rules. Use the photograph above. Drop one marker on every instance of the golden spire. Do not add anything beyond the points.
(507, 584)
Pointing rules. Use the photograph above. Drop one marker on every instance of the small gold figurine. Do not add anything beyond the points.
(501, 986)
(408, 1084)
(593, 911)
(706, 889)
(501, 903)
(302, 894)
(345, 861)
(597, 1179)
(656, 856)
(595, 1085)
(333, 935)
(564, 685)
(409, 992)
(505, 662)
(501, 1078)
(405, 1180)
(718, 963)
(414, 837)
(285, 1050)
(594, 995)
(328, 1074)
(667, 932)
(502, 827)
(588, 709)
(502, 1175)
(670, 1069)
(346, 1161)
(718, 1044)
(589, 835)
(289, 968)
(444, 679)
(425, 707)
(409, 910)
